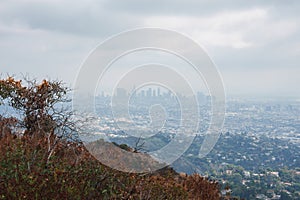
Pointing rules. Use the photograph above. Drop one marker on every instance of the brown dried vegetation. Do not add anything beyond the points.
(40, 164)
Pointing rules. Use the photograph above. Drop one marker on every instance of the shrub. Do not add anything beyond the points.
(43, 163)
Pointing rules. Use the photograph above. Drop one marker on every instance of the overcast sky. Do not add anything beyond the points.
(254, 44)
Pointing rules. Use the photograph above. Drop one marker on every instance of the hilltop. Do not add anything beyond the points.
(39, 158)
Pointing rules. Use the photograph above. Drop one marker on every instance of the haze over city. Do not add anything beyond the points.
(255, 45)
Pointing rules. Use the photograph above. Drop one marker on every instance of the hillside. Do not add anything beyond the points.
(39, 159)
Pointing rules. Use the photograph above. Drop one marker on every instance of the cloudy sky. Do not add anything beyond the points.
(254, 44)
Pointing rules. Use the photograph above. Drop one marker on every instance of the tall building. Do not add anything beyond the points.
(121, 93)
(201, 98)
(149, 92)
(154, 93)
(143, 93)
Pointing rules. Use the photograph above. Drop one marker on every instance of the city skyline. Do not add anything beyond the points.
(255, 45)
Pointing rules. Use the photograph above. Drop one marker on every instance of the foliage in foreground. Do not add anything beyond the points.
(40, 164)
(72, 173)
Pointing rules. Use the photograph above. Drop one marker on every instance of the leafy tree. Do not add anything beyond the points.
(285, 196)
(40, 104)
(43, 108)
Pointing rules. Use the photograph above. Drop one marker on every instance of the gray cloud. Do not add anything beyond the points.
(68, 17)
(287, 8)
(52, 37)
